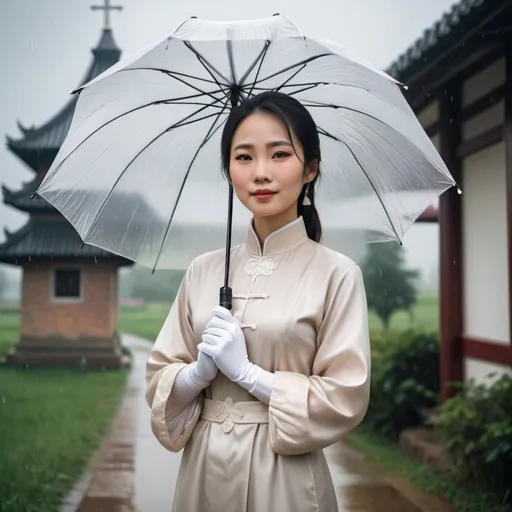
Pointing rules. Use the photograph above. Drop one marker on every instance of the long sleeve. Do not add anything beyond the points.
(172, 420)
(309, 413)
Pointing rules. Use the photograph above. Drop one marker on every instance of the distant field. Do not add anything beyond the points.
(425, 316)
(146, 321)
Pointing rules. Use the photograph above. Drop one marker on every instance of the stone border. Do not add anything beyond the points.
(108, 483)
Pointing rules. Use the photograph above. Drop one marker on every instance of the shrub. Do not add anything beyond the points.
(405, 380)
(477, 427)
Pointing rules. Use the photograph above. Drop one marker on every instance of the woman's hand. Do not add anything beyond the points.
(224, 342)
(205, 367)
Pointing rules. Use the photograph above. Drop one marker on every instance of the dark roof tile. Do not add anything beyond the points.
(454, 20)
(49, 238)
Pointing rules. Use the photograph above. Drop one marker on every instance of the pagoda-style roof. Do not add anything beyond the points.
(50, 238)
(47, 139)
(21, 199)
(464, 20)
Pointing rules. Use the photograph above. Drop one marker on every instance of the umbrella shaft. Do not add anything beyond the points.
(226, 294)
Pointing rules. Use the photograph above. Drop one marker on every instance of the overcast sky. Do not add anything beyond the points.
(45, 49)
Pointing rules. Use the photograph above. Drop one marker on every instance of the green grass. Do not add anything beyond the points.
(51, 422)
(9, 329)
(425, 316)
(390, 458)
(143, 321)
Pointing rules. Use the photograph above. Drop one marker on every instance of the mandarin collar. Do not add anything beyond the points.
(284, 239)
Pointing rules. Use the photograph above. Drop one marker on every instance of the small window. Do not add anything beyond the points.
(67, 283)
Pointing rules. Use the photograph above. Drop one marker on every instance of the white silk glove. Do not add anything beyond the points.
(200, 373)
(192, 379)
(205, 367)
(224, 341)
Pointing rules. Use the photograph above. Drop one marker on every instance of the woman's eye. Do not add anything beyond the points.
(280, 154)
(242, 157)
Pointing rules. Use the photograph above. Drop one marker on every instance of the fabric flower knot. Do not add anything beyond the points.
(260, 266)
(228, 413)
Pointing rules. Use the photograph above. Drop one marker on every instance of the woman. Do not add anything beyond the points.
(254, 394)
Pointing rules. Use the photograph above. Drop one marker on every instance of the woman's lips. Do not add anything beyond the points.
(263, 195)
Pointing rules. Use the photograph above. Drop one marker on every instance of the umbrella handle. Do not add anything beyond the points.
(226, 294)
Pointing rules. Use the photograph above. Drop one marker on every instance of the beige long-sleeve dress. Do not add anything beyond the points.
(303, 311)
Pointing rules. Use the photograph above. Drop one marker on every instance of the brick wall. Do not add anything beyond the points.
(93, 316)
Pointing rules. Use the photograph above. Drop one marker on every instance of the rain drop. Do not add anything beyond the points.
(61, 390)
(459, 191)
(3, 399)
(454, 263)
(380, 272)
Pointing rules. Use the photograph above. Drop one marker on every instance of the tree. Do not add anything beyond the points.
(390, 287)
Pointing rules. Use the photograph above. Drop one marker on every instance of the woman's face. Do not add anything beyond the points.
(266, 173)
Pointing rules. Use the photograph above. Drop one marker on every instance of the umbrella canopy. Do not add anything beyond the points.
(150, 126)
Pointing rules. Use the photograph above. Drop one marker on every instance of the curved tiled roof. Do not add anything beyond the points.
(460, 18)
(50, 238)
(51, 135)
(21, 199)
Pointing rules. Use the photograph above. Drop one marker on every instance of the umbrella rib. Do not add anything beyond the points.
(259, 59)
(309, 87)
(170, 73)
(315, 104)
(327, 134)
(291, 77)
(312, 85)
(213, 132)
(118, 179)
(297, 64)
(231, 60)
(50, 176)
(176, 77)
(264, 54)
(199, 58)
(203, 143)
(206, 64)
(236, 92)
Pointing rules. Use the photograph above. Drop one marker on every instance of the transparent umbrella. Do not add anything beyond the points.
(139, 172)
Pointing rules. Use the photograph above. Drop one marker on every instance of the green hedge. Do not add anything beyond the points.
(477, 427)
(476, 424)
(405, 380)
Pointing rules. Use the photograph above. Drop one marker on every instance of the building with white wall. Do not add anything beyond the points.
(459, 74)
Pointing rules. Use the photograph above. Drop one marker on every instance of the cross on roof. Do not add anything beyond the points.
(106, 8)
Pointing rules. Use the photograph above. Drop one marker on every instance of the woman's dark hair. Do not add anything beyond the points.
(296, 119)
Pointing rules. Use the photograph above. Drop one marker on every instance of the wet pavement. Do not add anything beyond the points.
(133, 472)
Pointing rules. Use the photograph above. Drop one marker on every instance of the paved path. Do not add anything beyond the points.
(133, 472)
